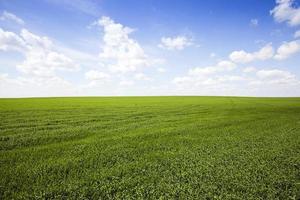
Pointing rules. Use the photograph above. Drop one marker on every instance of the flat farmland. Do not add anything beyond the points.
(150, 148)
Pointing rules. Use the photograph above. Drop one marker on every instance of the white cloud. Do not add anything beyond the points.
(297, 34)
(10, 41)
(225, 65)
(39, 67)
(97, 75)
(287, 49)
(219, 67)
(211, 76)
(274, 73)
(11, 17)
(264, 82)
(35, 86)
(182, 80)
(229, 78)
(202, 71)
(242, 56)
(254, 22)
(35, 41)
(175, 43)
(285, 11)
(96, 78)
(44, 63)
(40, 58)
(217, 81)
(125, 53)
(284, 51)
(249, 69)
(126, 83)
(276, 76)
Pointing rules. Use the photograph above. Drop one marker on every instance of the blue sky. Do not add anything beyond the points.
(132, 47)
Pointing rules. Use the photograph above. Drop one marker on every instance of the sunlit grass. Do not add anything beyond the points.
(150, 148)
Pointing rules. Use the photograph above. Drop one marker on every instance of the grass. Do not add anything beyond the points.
(150, 148)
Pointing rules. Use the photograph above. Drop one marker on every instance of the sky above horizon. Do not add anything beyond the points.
(149, 47)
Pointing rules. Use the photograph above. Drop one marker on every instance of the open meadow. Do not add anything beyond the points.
(150, 148)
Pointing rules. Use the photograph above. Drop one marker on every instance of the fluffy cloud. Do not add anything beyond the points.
(211, 76)
(225, 65)
(121, 56)
(242, 56)
(202, 71)
(96, 78)
(263, 83)
(35, 41)
(219, 67)
(221, 79)
(40, 58)
(182, 80)
(35, 86)
(44, 63)
(275, 73)
(285, 11)
(284, 51)
(96, 75)
(276, 76)
(11, 17)
(287, 49)
(125, 53)
(126, 83)
(175, 43)
(217, 81)
(249, 69)
(10, 41)
(39, 67)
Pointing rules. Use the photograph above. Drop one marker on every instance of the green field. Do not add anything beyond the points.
(150, 148)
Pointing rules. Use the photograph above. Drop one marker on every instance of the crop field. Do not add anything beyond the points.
(150, 148)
